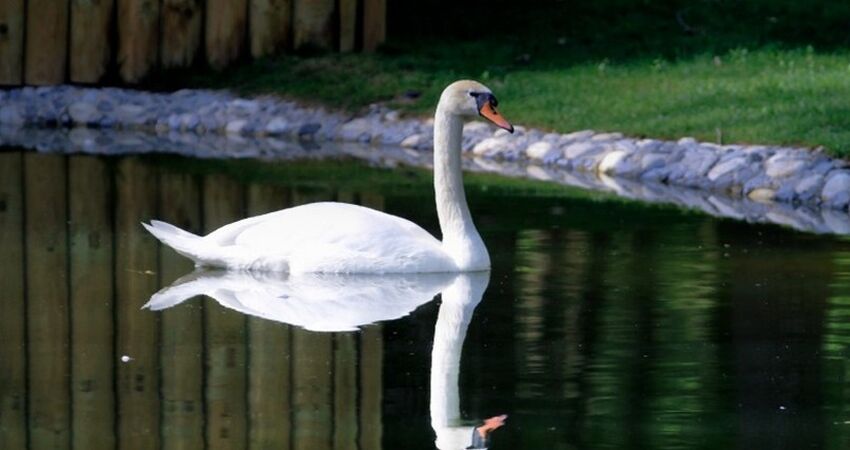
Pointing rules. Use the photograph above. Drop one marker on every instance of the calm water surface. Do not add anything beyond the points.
(602, 325)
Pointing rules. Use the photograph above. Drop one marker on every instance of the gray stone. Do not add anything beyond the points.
(413, 140)
(11, 115)
(687, 142)
(83, 113)
(762, 195)
(578, 149)
(781, 166)
(651, 161)
(809, 187)
(235, 127)
(356, 130)
(489, 146)
(309, 129)
(607, 137)
(277, 126)
(648, 145)
(578, 135)
(725, 167)
(836, 190)
(542, 151)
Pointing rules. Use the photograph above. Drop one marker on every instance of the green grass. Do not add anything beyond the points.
(741, 72)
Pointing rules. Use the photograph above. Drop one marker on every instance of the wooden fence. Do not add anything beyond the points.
(79, 266)
(45, 42)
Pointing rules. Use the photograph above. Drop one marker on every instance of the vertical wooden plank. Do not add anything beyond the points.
(47, 301)
(226, 23)
(11, 42)
(271, 23)
(225, 334)
(138, 38)
(269, 381)
(181, 328)
(13, 431)
(269, 355)
(181, 32)
(371, 386)
(90, 234)
(313, 24)
(312, 393)
(90, 40)
(345, 391)
(135, 282)
(347, 24)
(374, 24)
(46, 41)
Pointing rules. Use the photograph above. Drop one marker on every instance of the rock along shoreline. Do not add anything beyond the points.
(762, 174)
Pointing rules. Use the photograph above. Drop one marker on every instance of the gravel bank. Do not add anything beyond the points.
(200, 121)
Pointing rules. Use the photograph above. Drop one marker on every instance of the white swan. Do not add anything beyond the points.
(459, 300)
(315, 302)
(343, 238)
(338, 302)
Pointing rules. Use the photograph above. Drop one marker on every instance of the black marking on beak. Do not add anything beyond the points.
(483, 98)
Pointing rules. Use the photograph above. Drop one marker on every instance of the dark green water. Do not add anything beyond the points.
(605, 325)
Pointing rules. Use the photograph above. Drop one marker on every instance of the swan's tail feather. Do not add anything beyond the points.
(189, 286)
(187, 244)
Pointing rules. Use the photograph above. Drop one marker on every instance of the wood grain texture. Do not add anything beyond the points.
(371, 386)
(226, 382)
(13, 426)
(90, 50)
(138, 38)
(181, 32)
(181, 327)
(347, 25)
(46, 42)
(345, 391)
(271, 25)
(11, 42)
(374, 24)
(91, 273)
(312, 392)
(226, 26)
(313, 24)
(136, 329)
(47, 301)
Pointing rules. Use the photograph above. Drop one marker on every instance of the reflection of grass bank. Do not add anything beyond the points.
(663, 69)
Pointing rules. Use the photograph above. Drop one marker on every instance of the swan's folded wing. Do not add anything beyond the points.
(339, 237)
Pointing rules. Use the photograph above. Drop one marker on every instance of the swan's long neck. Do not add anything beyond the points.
(460, 238)
(458, 304)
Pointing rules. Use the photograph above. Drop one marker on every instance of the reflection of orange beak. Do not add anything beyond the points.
(488, 111)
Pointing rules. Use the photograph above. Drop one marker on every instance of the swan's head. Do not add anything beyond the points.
(470, 98)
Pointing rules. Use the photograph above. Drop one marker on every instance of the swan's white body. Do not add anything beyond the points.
(316, 302)
(337, 302)
(343, 238)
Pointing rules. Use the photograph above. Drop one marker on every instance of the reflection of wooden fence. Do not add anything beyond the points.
(45, 42)
(76, 273)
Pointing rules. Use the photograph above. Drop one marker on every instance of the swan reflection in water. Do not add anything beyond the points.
(328, 303)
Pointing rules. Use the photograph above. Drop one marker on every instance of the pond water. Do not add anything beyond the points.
(603, 324)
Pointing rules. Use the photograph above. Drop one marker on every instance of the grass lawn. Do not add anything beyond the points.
(766, 72)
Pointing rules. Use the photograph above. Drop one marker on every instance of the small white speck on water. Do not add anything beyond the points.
(126, 358)
(782, 408)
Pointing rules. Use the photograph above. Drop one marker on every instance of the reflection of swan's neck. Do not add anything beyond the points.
(460, 238)
(458, 303)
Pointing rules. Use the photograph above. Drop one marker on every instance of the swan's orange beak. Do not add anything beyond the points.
(488, 111)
